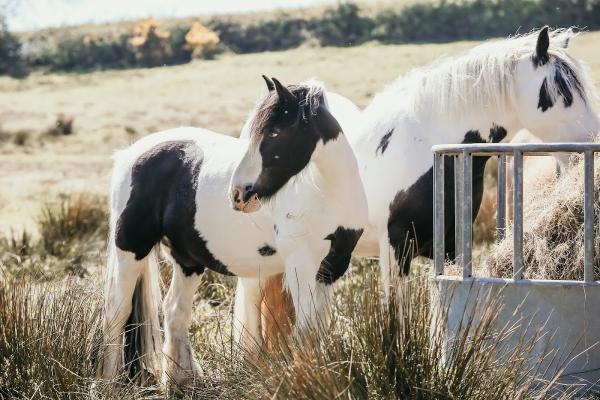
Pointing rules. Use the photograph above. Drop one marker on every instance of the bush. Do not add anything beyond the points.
(201, 41)
(87, 53)
(342, 26)
(10, 53)
(271, 35)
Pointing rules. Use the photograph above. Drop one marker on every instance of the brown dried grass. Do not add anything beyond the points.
(553, 230)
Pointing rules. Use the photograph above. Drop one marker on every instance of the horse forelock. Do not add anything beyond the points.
(310, 95)
(484, 76)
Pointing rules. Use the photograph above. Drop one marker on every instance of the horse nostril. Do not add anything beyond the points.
(235, 195)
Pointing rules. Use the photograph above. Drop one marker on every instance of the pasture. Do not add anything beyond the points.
(370, 351)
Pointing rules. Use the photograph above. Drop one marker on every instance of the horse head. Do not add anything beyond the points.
(287, 130)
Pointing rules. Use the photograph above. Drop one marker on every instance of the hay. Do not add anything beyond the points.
(553, 230)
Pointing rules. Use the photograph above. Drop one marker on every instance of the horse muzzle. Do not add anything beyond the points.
(244, 199)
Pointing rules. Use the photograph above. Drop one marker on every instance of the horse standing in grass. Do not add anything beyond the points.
(488, 94)
(169, 191)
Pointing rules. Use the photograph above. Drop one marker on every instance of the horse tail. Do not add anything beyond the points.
(143, 338)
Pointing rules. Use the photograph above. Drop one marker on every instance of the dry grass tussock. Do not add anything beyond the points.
(553, 230)
(51, 333)
(51, 308)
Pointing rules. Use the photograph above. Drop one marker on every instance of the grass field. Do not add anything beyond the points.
(362, 356)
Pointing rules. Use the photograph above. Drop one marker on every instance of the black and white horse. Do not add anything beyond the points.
(491, 92)
(170, 191)
(487, 94)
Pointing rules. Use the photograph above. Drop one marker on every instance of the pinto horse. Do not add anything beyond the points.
(169, 192)
(488, 94)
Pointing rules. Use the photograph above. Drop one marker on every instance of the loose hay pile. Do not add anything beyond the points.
(553, 230)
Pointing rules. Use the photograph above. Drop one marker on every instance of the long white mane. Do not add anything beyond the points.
(484, 77)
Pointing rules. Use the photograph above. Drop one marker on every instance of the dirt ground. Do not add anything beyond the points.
(113, 108)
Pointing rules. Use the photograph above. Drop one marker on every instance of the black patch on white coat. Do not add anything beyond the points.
(410, 225)
(545, 100)
(336, 262)
(266, 250)
(162, 204)
(565, 74)
(562, 76)
(383, 144)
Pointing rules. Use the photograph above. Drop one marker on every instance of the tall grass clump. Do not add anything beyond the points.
(399, 350)
(49, 337)
(72, 218)
(70, 240)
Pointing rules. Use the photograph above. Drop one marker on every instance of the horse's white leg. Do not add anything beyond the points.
(180, 364)
(310, 298)
(121, 278)
(391, 270)
(387, 264)
(246, 313)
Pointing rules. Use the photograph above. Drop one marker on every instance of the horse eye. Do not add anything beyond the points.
(276, 157)
(286, 111)
(273, 134)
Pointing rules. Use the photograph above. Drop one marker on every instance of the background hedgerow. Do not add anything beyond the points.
(11, 62)
(346, 24)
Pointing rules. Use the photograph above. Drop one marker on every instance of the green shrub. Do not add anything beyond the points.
(10, 53)
(342, 26)
(270, 35)
(180, 53)
(87, 53)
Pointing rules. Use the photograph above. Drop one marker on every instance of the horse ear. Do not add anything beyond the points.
(325, 123)
(285, 96)
(541, 48)
(270, 84)
(568, 34)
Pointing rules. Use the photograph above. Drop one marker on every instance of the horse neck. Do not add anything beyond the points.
(337, 165)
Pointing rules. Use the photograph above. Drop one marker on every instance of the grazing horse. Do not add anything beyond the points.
(487, 94)
(527, 82)
(169, 192)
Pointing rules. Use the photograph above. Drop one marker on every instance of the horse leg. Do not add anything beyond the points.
(120, 281)
(394, 270)
(246, 314)
(277, 312)
(180, 365)
(310, 297)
